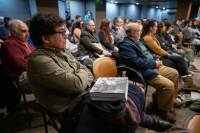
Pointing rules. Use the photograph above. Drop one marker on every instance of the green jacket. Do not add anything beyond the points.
(53, 78)
(86, 46)
(176, 30)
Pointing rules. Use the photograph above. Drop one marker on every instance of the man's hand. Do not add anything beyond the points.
(80, 70)
(156, 55)
(1, 40)
(158, 64)
(174, 46)
(120, 29)
(182, 50)
(195, 36)
(116, 49)
(106, 53)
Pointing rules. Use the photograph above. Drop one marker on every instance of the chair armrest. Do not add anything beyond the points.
(135, 71)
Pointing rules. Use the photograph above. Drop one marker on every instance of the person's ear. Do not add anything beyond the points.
(45, 39)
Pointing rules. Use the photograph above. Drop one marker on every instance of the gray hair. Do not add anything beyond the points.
(130, 27)
(13, 24)
(116, 19)
(86, 23)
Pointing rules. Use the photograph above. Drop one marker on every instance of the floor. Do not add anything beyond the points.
(16, 122)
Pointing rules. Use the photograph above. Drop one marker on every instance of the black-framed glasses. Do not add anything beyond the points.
(63, 33)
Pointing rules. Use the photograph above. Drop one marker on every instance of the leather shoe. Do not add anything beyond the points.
(160, 126)
(167, 116)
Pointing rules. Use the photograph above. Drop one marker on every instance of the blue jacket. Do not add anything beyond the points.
(133, 57)
(102, 40)
(3, 32)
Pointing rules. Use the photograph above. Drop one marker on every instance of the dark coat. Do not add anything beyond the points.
(167, 46)
(86, 40)
(133, 57)
(167, 37)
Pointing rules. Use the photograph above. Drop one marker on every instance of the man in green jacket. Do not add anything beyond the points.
(57, 79)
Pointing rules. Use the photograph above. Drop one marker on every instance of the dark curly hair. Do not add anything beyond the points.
(167, 24)
(43, 24)
(160, 26)
(146, 25)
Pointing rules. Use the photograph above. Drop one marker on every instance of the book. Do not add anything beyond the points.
(110, 89)
(82, 57)
(195, 95)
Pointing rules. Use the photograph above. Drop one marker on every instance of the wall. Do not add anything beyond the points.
(90, 5)
(194, 11)
(132, 11)
(144, 12)
(47, 6)
(153, 13)
(101, 13)
(112, 10)
(15, 9)
(167, 15)
(183, 9)
(77, 8)
(33, 7)
(61, 9)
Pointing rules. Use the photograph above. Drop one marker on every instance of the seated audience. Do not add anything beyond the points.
(182, 23)
(198, 24)
(61, 84)
(162, 78)
(132, 21)
(4, 29)
(88, 15)
(139, 22)
(194, 29)
(78, 18)
(183, 51)
(68, 23)
(15, 51)
(90, 44)
(176, 30)
(125, 23)
(189, 33)
(106, 37)
(77, 31)
(117, 30)
(149, 29)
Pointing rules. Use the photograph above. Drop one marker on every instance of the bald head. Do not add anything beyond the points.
(133, 31)
(18, 30)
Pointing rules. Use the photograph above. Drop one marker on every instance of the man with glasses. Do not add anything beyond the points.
(15, 51)
(117, 30)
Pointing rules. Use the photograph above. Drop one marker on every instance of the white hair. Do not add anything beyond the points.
(130, 27)
(87, 23)
(13, 24)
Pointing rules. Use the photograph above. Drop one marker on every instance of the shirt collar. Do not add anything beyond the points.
(23, 43)
(132, 40)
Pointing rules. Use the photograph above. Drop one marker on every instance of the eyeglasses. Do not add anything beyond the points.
(63, 33)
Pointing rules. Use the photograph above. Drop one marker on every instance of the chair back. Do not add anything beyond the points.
(181, 39)
(53, 118)
(104, 67)
(193, 123)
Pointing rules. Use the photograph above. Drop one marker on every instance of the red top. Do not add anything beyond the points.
(14, 54)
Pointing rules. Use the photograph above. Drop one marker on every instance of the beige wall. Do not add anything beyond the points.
(183, 9)
(47, 6)
(100, 14)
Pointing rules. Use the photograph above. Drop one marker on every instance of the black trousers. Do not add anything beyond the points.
(175, 62)
(117, 58)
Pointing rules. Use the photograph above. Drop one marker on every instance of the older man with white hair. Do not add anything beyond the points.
(15, 51)
(164, 79)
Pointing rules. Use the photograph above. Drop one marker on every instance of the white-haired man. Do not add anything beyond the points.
(15, 51)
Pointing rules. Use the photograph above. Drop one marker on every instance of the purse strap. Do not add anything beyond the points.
(185, 130)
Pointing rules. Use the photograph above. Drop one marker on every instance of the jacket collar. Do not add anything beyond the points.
(14, 39)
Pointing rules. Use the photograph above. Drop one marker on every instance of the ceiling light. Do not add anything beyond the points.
(115, 2)
(112, 1)
(156, 6)
(137, 3)
(163, 8)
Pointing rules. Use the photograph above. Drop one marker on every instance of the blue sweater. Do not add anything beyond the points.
(102, 40)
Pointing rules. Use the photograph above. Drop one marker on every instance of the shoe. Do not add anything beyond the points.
(193, 68)
(160, 126)
(189, 84)
(177, 104)
(190, 73)
(167, 116)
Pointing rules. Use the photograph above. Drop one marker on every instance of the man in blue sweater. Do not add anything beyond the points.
(4, 29)
(164, 79)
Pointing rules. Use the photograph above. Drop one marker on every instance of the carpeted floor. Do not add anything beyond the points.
(17, 122)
